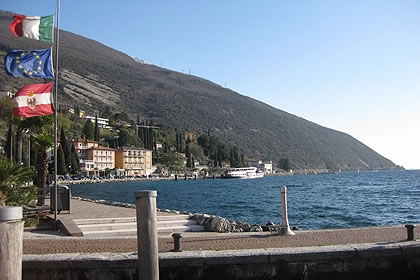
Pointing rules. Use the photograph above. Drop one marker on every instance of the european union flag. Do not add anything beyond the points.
(32, 64)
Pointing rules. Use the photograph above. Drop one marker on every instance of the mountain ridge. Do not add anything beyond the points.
(93, 76)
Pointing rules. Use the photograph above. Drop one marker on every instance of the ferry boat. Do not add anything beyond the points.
(243, 173)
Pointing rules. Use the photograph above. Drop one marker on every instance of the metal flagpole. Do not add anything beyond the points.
(57, 35)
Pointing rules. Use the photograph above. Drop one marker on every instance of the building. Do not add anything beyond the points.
(94, 159)
(132, 161)
(102, 123)
(267, 166)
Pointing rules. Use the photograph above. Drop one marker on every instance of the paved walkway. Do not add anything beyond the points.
(53, 242)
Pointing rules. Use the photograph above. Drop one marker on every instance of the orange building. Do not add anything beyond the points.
(134, 161)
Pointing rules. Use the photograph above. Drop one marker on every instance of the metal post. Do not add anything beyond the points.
(410, 232)
(29, 151)
(11, 242)
(147, 235)
(285, 229)
(20, 149)
(177, 242)
(57, 39)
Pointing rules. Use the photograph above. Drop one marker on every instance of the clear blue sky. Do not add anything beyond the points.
(353, 65)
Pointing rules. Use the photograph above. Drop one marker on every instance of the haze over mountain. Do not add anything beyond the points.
(94, 76)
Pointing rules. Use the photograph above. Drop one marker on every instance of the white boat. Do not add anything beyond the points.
(243, 173)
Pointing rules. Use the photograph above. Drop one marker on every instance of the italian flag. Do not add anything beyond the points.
(33, 100)
(33, 27)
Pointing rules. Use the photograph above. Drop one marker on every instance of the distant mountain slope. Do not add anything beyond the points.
(93, 75)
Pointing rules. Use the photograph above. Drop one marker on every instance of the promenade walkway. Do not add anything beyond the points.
(49, 242)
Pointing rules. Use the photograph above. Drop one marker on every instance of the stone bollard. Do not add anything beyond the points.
(410, 232)
(147, 235)
(285, 228)
(177, 242)
(11, 242)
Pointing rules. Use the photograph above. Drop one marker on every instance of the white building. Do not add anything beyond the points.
(267, 166)
(102, 123)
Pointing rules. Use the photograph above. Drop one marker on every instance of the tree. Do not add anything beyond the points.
(9, 142)
(65, 149)
(235, 159)
(43, 142)
(188, 156)
(75, 161)
(14, 190)
(107, 112)
(88, 130)
(96, 136)
(284, 164)
(178, 144)
(173, 160)
(61, 162)
(122, 137)
(196, 151)
(243, 163)
(204, 141)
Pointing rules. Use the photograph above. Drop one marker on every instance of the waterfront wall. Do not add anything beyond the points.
(361, 261)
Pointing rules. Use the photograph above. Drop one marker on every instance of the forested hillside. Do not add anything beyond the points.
(94, 77)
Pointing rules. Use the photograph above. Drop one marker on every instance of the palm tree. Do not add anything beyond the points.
(13, 183)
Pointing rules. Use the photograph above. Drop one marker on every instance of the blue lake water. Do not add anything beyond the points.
(314, 201)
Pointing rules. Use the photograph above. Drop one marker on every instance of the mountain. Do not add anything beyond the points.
(94, 76)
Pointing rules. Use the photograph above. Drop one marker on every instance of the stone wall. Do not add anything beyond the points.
(361, 261)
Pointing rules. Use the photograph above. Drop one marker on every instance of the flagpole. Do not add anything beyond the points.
(57, 35)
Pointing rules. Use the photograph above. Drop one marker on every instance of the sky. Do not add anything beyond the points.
(349, 65)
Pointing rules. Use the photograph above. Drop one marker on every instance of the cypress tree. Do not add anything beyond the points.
(61, 164)
(75, 161)
(65, 147)
(243, 164)
(177, 140)
(88, 130)
(188, 155)
(96, 136)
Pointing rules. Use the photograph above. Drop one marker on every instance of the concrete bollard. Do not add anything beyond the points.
(11, 242)
(177, 242)
(285, 228)
(147, 235)
(410, 232)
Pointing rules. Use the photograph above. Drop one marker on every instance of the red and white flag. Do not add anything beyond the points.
(33, 100)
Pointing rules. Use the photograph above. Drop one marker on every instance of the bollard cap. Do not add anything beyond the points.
(176, 235)
(283, 189)
(410, 226)
(10, 213)
(145, 193)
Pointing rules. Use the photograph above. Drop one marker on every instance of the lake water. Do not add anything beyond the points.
(314, 201)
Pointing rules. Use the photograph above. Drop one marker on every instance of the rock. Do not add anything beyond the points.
(220, 224)
(265, 228)
(256, 228)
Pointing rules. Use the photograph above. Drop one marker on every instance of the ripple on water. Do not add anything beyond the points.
(318, 201)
